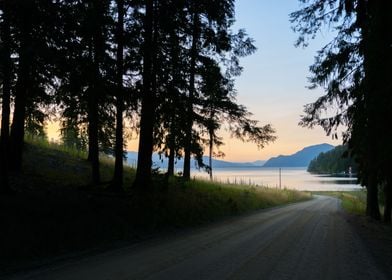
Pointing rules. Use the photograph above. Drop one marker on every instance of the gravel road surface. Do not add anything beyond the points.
(309, 240)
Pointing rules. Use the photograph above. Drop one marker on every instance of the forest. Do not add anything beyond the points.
(167, 70)
(335, 161)
(105, 69)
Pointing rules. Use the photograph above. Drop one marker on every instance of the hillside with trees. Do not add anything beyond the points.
(335, 161)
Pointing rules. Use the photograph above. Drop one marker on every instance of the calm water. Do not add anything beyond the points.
(293, 178)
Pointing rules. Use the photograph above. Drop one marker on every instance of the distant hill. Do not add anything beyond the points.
(259, 162)
(299, 159)
(333, 162)
(162, 162)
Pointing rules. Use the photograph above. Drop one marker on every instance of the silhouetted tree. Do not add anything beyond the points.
(354, 67)
(194, 51)
(5, 77)
(26, 53)
(117, 183)
(144, 163)
(86, 76)
(187, 73)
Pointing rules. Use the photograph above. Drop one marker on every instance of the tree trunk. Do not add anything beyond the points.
(170, 165)
(367, 19)
(5, 115)
(97, 52)
(144, 163)
(92, 116)
(388, 38)
(21, 94)
(93, 135)
(172, 148)
(189, 123)
(175, 68)
(211, 144)
(388, 202)
(372, 206)
(117, 183)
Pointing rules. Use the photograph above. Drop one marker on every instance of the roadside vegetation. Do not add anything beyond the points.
(55, 210)
(353, 202)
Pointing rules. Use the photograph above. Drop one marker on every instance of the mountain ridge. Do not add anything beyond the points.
(216, 163)
(301, 158)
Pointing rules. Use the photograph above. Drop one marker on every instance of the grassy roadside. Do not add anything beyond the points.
(55, 211)
(199, 201)
(353, 202)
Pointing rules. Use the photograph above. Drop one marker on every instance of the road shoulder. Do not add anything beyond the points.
(377, 238)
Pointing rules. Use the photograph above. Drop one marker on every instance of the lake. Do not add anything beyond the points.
(292, 178)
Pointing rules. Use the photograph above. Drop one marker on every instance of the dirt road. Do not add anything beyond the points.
(309, 240)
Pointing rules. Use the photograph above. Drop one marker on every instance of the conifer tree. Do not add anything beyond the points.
(354, 68)
(117, 183)
(6, 79)
(144, 162)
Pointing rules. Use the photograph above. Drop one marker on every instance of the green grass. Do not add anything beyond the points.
(199, 201)
(56, 165)
(54, 213)
(60, 166)
(181, 204)
(352, 201)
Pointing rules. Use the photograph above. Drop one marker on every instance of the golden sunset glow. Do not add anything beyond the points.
(53, 131)
(291, 139)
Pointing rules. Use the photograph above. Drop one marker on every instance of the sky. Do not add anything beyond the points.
(273, 83)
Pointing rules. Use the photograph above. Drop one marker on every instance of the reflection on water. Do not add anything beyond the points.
(337, 182)
(293, 178)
